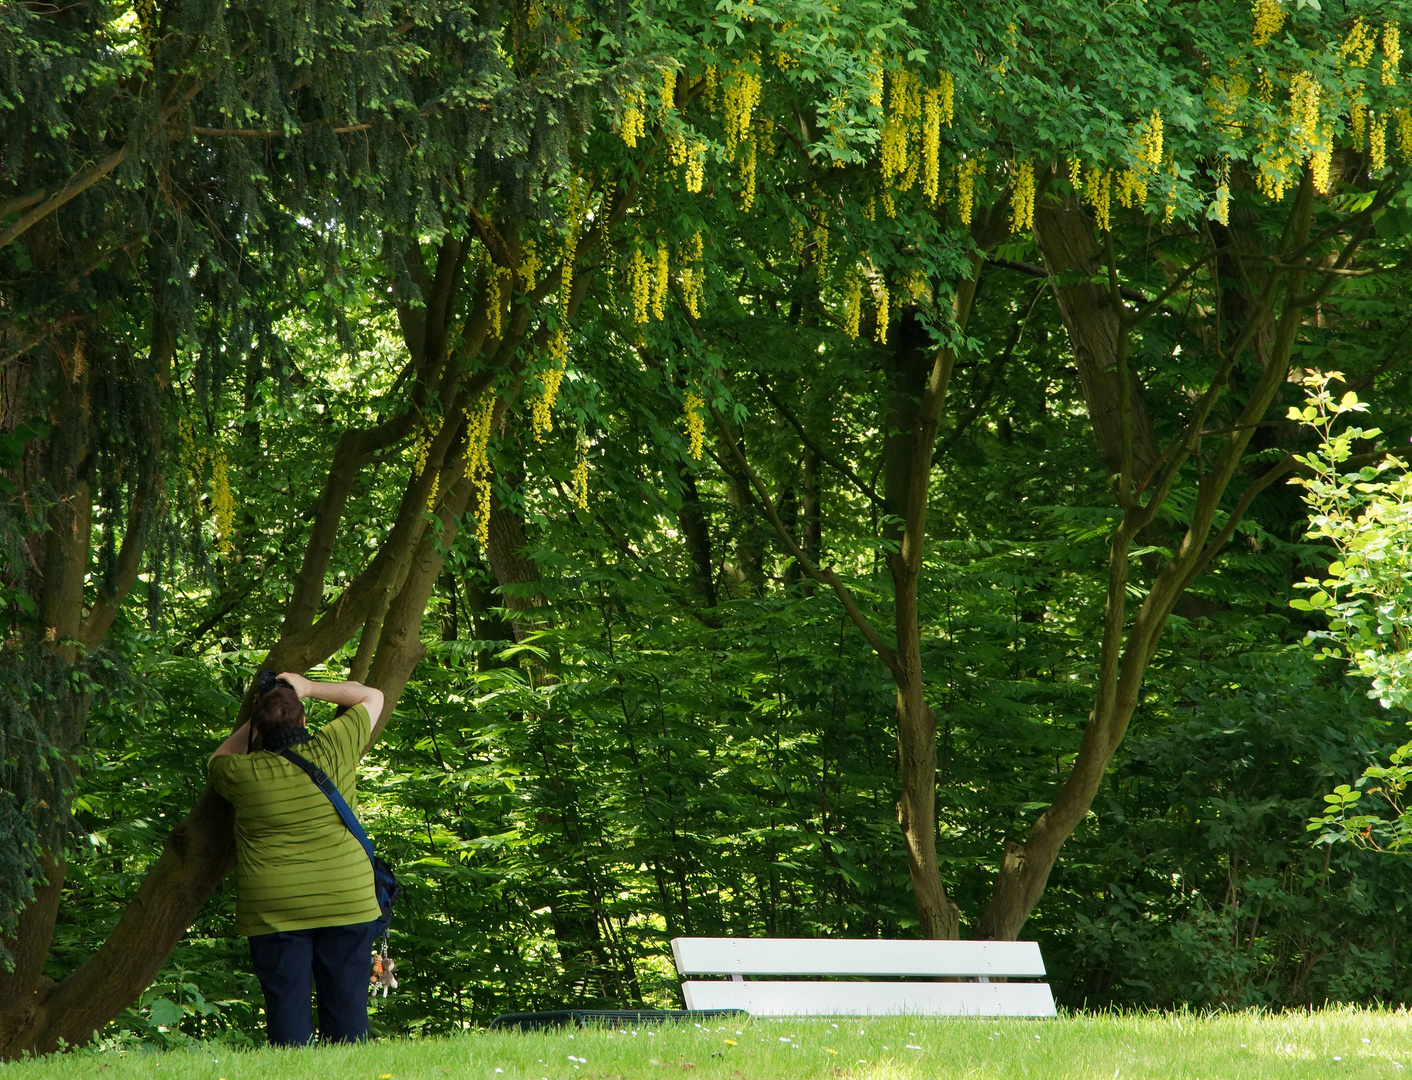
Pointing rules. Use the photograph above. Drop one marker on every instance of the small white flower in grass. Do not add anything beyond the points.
(911, 1047)
(1337, 1058)
(1367, 1040)
(784, 1038)
(582, 1061)
(499, 1070)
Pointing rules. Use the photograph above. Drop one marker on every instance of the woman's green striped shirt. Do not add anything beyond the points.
(297, 865)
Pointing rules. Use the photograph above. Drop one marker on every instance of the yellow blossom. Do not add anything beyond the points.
(1022, 198)
(852, 303)
(1098, 193)
(1269, 17)
(581, 480)
(478, 420)
(633, 126)
(966, 188)
(1358, 46)
(1377, 144)
(880, 334)
(222, 501)
(695, 421)
(669, 89)
(639, 286)
(747, 175)
(550, 377)
(742, 95)
(1222, 206)
(660, 281)
(1392, 53)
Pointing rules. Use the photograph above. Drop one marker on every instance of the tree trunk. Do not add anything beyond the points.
(1124, 435)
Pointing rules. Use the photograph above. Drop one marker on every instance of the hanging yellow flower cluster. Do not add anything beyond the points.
(852, 302)
(904, 115)
(1304, 91)
(640, 286)
(1269, 17)
(633, 125)
(542, 408)
(1404, 133)
(1392, 53)
(669, 89)
(1022, 198)
(821, 244)
(1321, 166)
(499, 297)
(648, 280)
(696, 167)
(222, 501)
(424, 441)
(966, 174)
(742, 96)
(798, 236)
(530, 265)
(695, 421)
(1358, 126)
(574, 215)
(1146, 161)
(917, 284)
(875, 80)
(660, 282)
(880, 295)
(581, 477)
(747, 175)
(1377, 143)
(478, 461)
(691, 155)
(1223, 191)
(693, 275)
(1225, 97)
(1098, 193)
(935, 108)
(1276, 167)
(1358, 46)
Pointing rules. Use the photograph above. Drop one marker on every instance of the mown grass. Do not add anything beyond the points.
(1331, 1043)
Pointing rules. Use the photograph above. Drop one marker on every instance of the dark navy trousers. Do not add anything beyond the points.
(335, 959)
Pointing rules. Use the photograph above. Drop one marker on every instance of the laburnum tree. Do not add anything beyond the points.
(1200, 184)
(701, 185)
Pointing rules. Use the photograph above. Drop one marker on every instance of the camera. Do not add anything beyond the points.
(266, 681)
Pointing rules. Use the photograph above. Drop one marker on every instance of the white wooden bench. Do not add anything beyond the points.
(971, 960)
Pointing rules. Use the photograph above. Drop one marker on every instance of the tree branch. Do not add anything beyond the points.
(823, 455)
(822, 575)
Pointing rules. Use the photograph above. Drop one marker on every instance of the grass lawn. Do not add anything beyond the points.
(1332, 1043)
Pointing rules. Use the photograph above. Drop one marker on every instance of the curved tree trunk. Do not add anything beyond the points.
(1142, 483)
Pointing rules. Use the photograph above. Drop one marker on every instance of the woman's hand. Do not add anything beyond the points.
(302, 686)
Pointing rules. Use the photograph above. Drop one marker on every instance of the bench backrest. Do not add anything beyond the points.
(856, 956)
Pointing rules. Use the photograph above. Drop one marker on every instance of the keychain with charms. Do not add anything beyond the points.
(384, 972)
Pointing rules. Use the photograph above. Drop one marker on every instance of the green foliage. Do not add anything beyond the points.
(1366, 516)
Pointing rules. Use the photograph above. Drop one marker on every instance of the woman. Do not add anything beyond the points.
(305, 895)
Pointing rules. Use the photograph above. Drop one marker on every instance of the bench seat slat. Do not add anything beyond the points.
(766, 998)
(855, 956)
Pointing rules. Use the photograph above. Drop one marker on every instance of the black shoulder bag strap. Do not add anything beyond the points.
(384, 881)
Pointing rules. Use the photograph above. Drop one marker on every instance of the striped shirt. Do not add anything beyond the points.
(297, 865)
